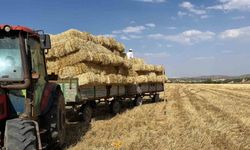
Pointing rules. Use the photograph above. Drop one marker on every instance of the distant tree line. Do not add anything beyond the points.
(211, 81)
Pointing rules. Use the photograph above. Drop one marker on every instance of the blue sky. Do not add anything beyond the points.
(190, 38)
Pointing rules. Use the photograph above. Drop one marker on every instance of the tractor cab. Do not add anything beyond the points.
(21, 63)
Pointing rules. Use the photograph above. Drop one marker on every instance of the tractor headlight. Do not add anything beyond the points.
(7, 28)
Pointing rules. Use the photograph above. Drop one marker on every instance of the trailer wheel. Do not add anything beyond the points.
(20, 135)
(115, 106)
(87, 112)
(54, 122)
(138, 101)
(156, 98)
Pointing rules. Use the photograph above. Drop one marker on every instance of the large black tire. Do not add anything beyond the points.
(115, 107)
(20, 135)
(54, 123)
(138, 101)
(86, 113)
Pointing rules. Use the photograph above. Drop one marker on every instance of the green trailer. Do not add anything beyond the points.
(83, 99)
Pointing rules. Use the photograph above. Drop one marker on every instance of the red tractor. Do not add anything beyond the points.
(32, 111)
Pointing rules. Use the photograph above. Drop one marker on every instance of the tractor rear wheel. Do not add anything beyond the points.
(54, 122)
(20, 135)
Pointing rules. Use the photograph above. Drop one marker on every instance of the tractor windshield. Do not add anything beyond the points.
(10, 59)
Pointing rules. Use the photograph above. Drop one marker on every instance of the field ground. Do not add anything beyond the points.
(196, 116)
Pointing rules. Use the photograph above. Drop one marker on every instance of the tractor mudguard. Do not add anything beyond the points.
(50, 93)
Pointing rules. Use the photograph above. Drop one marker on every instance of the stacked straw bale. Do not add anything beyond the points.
(97, 60)
(140, 72)
(73, 40)
(92, 59)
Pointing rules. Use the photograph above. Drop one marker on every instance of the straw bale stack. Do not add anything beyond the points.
(141, 79)
(140, 72)
(91, 78)
(72, 34)
(97, 60)
(90, 62)
(88, 56)
(130, 80)
(161, 78)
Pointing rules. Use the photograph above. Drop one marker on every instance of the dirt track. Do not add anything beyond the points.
(195, 117)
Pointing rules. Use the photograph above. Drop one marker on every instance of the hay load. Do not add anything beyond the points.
(73, 40)
(140, 72)
(97, 60)
(92, 59)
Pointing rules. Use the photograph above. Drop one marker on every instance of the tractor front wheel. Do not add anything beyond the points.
(20, 135)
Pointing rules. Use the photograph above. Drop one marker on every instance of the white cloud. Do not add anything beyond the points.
(130, 29)
(109, 35)
(204, 58)
(152, 25)
(187, 37)
(181, 13)
(157, 36)
(171, 28)
(135, 36)
(134, 29)
(123, 37)
(241, 5)
(132, 32)
(236, 33)
(204, 16)
(191, 8)
(129, 37)
(165, 45)
(187, 5)
(239, 18)
(152, 1)
(157, 55)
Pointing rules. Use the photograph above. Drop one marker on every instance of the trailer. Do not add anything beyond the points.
(138, 91)
(84, 98)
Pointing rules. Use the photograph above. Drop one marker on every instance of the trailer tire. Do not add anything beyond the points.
(20, 135)
(156, 98)
(115, 106)
(54, 122)
(138, 101)
(87, 112)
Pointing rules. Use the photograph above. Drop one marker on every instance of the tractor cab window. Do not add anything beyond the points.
(10, 59)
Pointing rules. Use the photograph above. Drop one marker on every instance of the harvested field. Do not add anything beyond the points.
(196, 116)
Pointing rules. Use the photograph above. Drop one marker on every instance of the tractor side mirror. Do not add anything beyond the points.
(45, 41)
